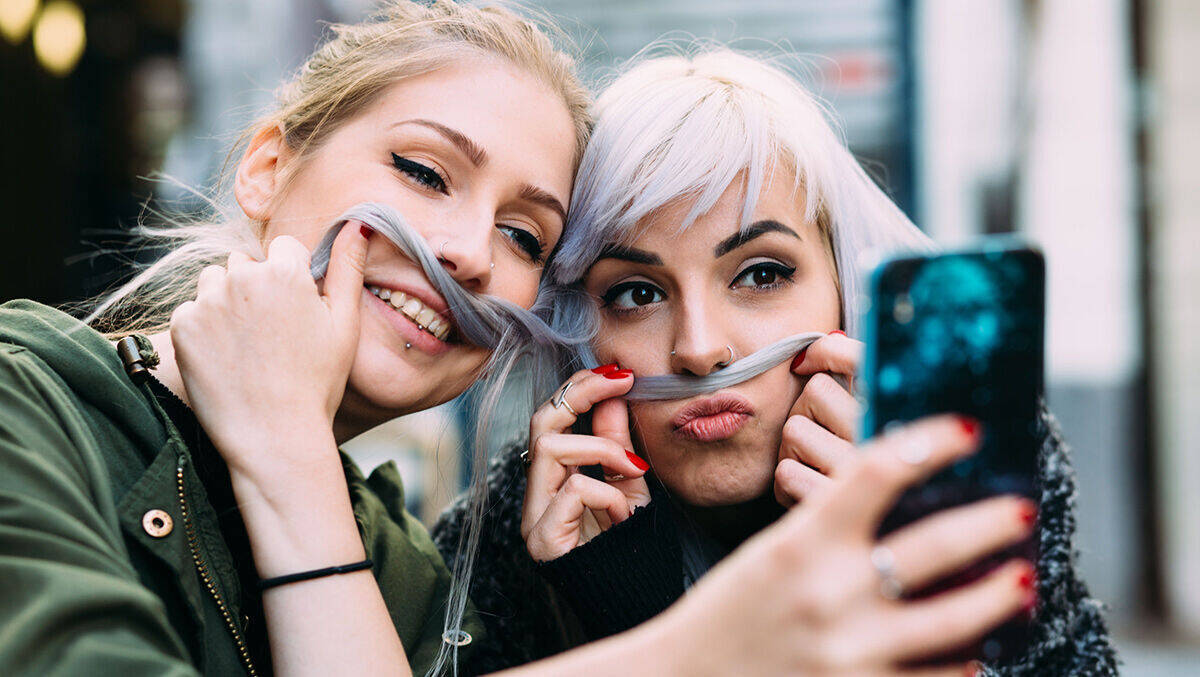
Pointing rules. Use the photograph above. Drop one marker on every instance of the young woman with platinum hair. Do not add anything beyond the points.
(718, 227)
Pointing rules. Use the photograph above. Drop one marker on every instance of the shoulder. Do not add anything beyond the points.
(1070, 635)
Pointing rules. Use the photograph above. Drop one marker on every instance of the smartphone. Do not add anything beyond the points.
(962, 332)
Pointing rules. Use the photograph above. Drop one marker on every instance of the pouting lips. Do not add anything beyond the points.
(422, 315)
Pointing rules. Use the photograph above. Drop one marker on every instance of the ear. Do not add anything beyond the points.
(258, 173)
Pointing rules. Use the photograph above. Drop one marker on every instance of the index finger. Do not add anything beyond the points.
(835, 353)
(892, 463)
(587, 387)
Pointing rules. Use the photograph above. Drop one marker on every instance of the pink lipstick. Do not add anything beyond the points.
(714, 418)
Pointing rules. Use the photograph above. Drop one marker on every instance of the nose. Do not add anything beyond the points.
(466, 254)
(701, 345)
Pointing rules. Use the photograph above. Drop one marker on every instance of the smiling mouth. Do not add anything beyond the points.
(414, 309)
(712, 419)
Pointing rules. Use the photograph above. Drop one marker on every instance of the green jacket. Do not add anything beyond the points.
(94, 581)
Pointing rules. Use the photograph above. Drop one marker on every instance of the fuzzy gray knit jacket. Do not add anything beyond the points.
(527, 618)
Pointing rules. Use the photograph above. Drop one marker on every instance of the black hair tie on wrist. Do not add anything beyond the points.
(315, 573)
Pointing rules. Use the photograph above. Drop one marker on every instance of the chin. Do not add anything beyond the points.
(710, 487)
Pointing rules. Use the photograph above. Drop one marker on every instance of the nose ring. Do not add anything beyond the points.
(726, 362)
(442, 250)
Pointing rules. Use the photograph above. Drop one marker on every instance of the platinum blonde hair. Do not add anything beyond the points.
(685, 127)
(340, 80)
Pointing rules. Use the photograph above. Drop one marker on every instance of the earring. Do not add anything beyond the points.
(407, 346)
(672, 353)
(492, 264)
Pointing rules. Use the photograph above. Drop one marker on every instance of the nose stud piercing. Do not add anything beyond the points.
(672, 353)
(407, 346)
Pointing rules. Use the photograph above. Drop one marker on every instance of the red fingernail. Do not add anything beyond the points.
(969, 426)
(972, 669)
(637, 460)
(366, 231)
(837, 331)
(606, 368)
(1027, 513)
(620, 373)
(799, 358)
(1027, 579)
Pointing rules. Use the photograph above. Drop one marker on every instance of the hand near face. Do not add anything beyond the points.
(820, 431)
(265, 355)
(565, 508)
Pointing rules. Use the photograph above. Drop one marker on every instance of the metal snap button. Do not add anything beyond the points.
(157, 523)
(459, 638)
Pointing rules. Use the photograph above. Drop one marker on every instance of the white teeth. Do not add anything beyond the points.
(424, 316)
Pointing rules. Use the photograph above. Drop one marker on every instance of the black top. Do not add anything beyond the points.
(214, 475)
(629, 572)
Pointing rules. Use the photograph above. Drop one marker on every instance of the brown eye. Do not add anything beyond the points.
(633, 295)
(765, 275)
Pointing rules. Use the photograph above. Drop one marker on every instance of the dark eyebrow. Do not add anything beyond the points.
(750, 232)
(478, 156)
(630, 254)
(543, 197)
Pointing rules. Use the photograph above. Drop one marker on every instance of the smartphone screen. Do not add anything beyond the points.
(962, 332)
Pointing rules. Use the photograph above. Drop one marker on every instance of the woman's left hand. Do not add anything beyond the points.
(820, 431)
(264, 354)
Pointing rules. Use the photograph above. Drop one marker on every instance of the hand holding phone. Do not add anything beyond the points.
(962, 332)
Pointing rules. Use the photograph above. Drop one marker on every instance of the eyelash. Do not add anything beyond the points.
(525, 240)
(780, 270)
(430, 178)
(426, 176)
(616, 291)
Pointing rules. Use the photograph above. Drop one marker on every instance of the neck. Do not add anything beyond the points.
(731, 525)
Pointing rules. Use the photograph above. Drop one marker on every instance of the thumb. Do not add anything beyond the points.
(344, 277)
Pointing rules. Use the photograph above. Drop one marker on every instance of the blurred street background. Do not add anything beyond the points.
(1075, 123)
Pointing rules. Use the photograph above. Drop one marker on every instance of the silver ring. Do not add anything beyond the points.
(442, 250)
(560, 399)
(726, 362)
(884, 562)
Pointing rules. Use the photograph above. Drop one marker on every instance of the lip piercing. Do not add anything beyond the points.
(726, 362)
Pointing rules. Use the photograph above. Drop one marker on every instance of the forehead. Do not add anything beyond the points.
(523, 125)
(780, 199)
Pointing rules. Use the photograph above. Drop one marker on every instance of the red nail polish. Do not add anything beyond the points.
(366, 231)
(837, 331)
(606, 368)
(1027, 513)
(637, 460)
(620, 373)
(1027, 579)
(799, 358)
(972, 669)
(969, 426)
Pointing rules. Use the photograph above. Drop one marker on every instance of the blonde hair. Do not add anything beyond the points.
(341, 79)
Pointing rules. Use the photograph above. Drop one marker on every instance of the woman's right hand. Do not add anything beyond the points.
(565, 508)
(803, 596)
